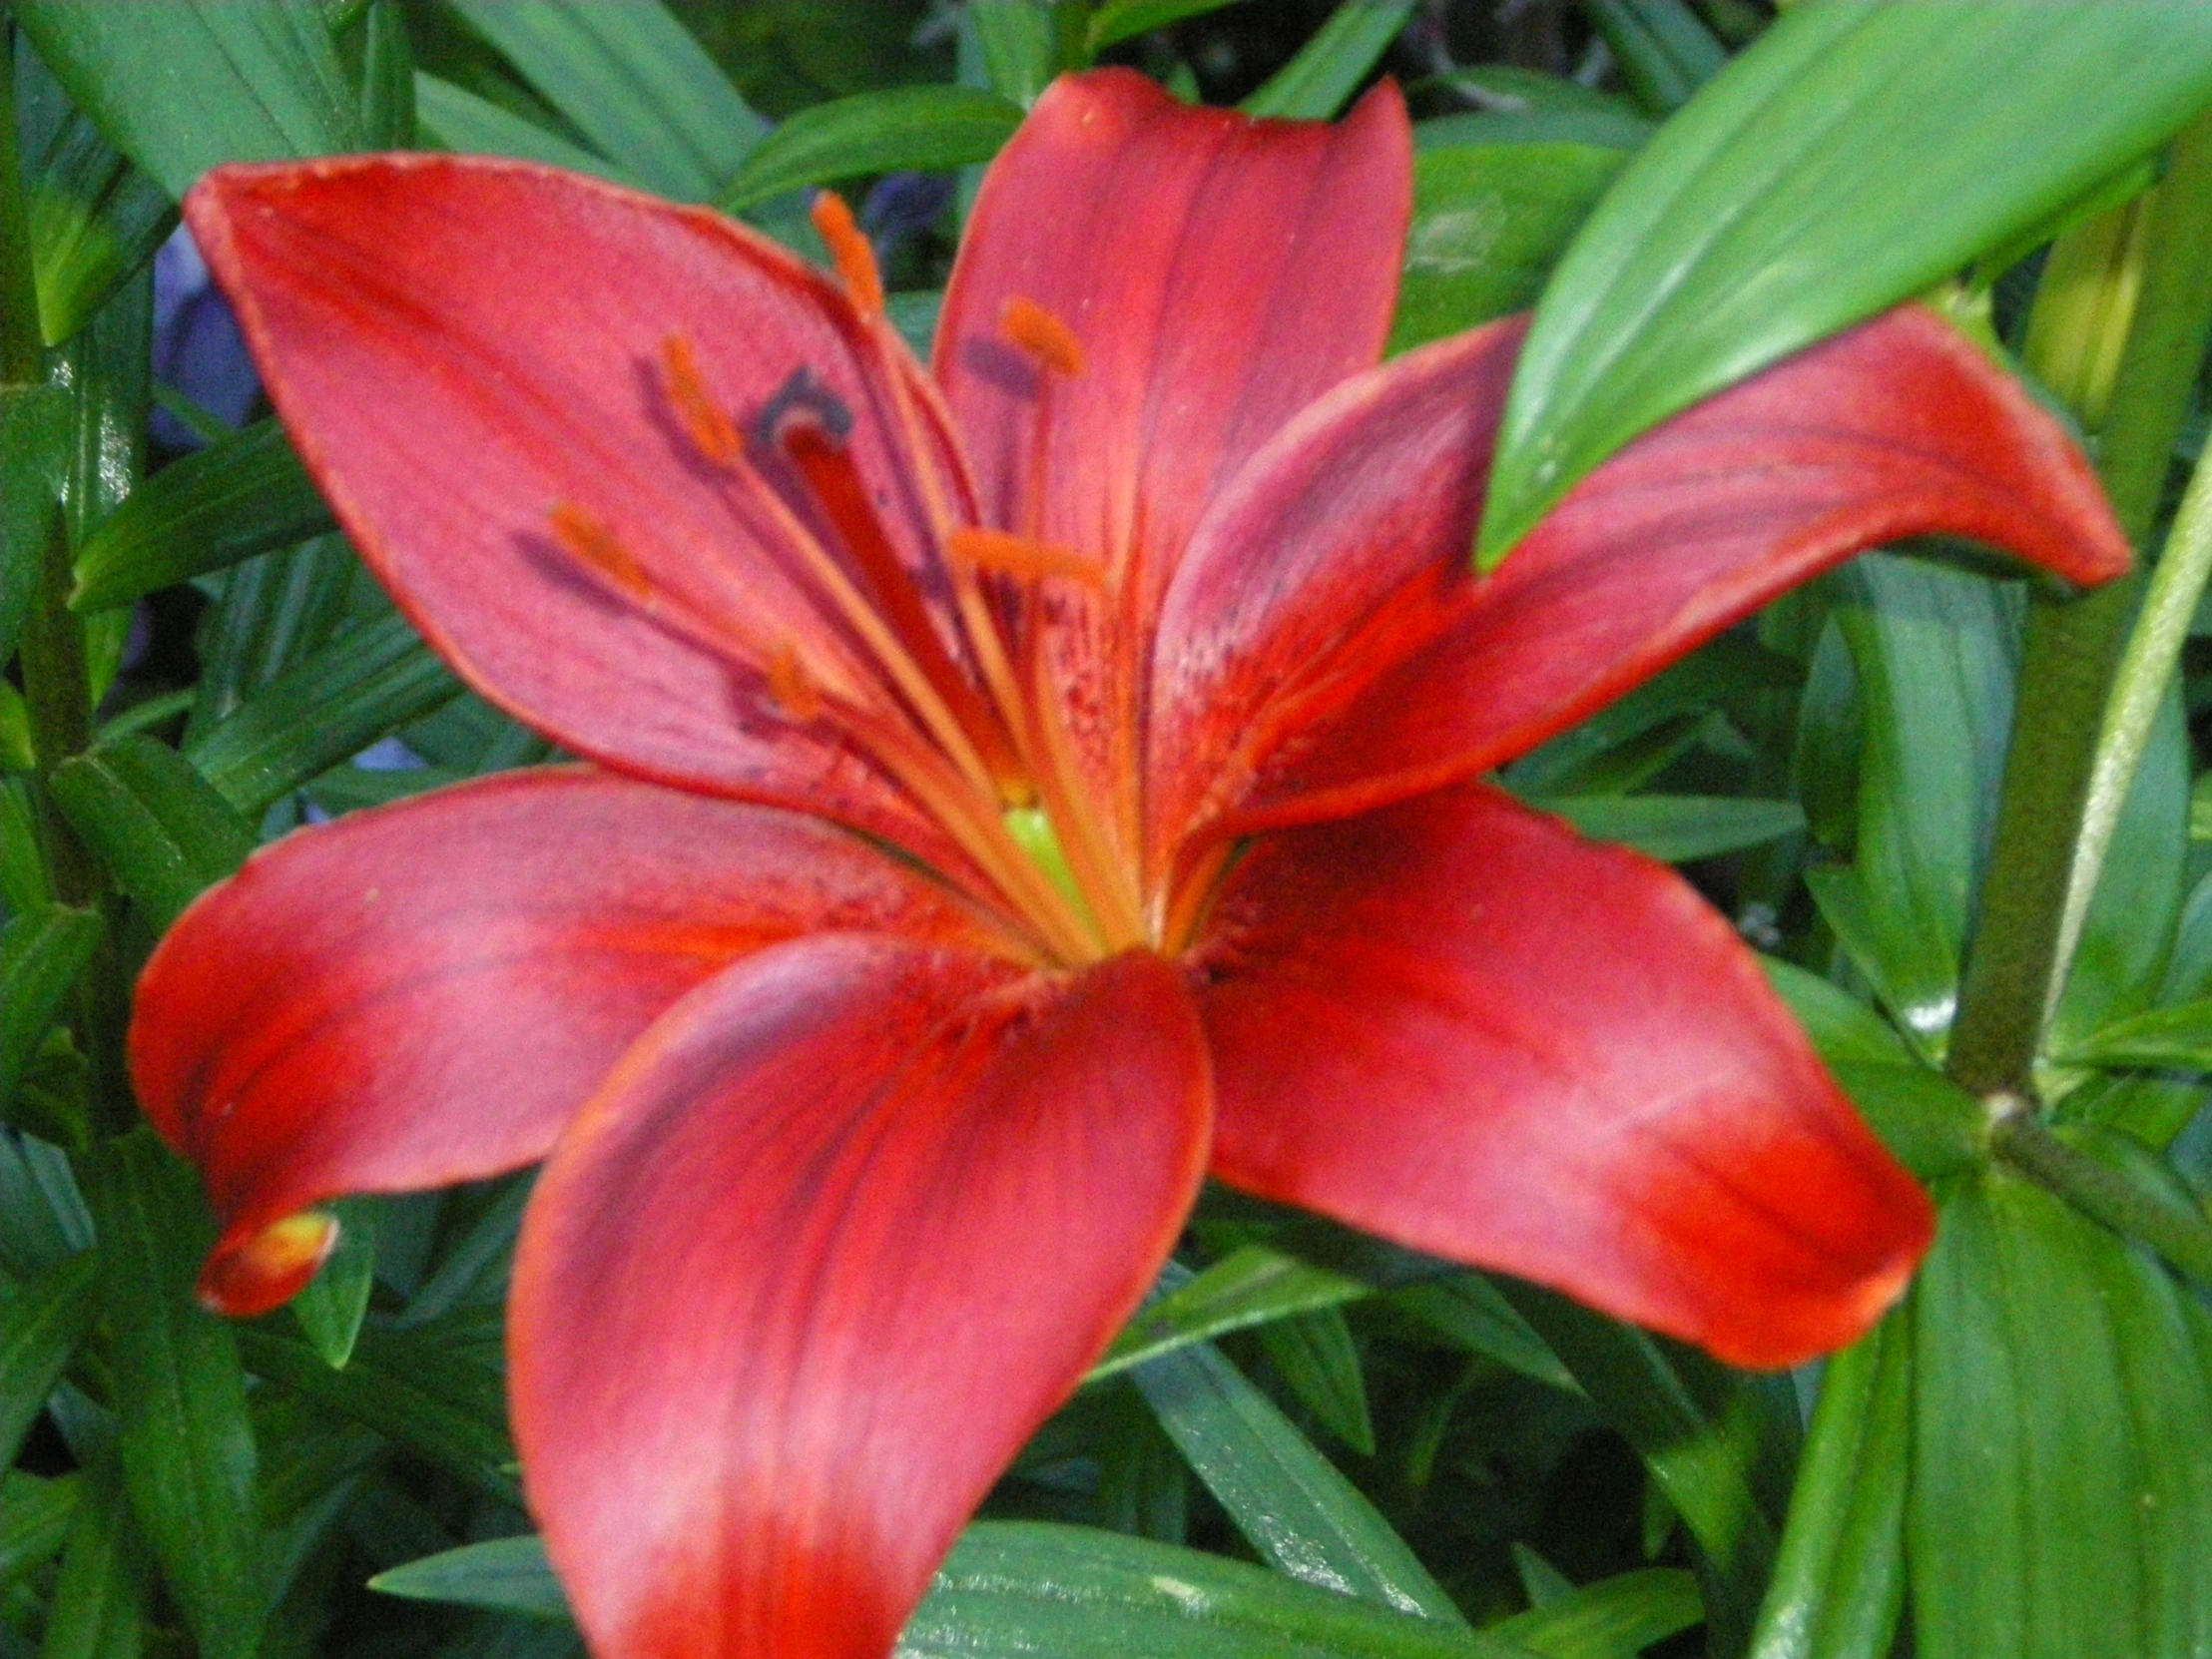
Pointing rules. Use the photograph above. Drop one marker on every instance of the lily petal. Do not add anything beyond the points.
(469, 352)
(1217, 274)
(1326, 649)
(1455, 1023)
(833, 1239)
(426, 993)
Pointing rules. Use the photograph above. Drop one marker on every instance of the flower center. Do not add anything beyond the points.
(971, 727)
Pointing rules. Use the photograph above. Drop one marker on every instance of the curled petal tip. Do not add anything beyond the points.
(258, 1272)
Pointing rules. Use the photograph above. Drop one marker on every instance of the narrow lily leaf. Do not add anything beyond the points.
(388, 79)
(180, 1395)
(918, 126)
(1615, 1618)
(1290, 1503)
(411, 1388)
(1328, 68)
(1489, 220)
(2061, 1503)
(94, 219)
(186, 86)
(1840, 1577)
(1665, 53)
(154, 822)
(1841, 1026)
(1020, 44)
(331, 1308)
(1852, 157)
(1015, 1589)
(1118, 20)
(449, 118)
(1468, 1310)
(35, 1515)
(1930, 1124)
(2179, 1037)
(504, 1575)
(41, 1323)
(276, 609)
(1676, 829)
(42, 1217)
(35, 436)
(634, 82)
(328, 705)
(101, 1600)
(41, 954)
(241, 496)
(1600, 129)
(1251, 1286)
(1716, 1442)
(1317, 1355)
(1933, 650)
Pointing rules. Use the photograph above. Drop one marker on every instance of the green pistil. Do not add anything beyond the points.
(1033, 834)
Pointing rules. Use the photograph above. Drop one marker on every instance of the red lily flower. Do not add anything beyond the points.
(1015, 790)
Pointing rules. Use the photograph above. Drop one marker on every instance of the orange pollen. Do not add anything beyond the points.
(793, 688)
(1042, 334)
(1010, 555)
(849, 251)
(712, 433)
(592, 544)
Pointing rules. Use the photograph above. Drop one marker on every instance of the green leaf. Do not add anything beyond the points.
(36, 431)
(448, 117)
(35, 1515)
(1249, 1286)
(1665, 53)
(42, 1218)
(180, 1394)
(1718, 1443)
(2061, 1500)
(274, 610)
(241, 496)
(99, 1608)
(919, 126)
(1841, 1026)
(1676, 829)
(94, 219)
(1930, 1124)
(1317, 1355)
(1119, 20)
(414, 1387)
(42, 953)
(1615, 1618)
(1509, 89)
(1328, 68)
(1468, 1310)
(154, 822)
(41, 1323)
(504, 1575)
(1839, 1581)
(1854, 155)
(1596, 129)
(189, 84)
(2179, 1037)
(635, 84)
(1488, 223)
(334, 704)
(1019, 41)
(1289, 1501)
(1933, 652)
(331, 1309)
(388, 79)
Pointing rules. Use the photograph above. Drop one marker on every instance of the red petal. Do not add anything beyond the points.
(426, 994)
(1219, 274)
(459, 347)
(835, 1237)
(1455, 1023)
(1324, 649)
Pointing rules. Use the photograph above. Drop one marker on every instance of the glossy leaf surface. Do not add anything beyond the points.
(874, 132)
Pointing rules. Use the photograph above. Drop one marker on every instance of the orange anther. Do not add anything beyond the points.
(591, 543)
(849, 251)
(1042, 334)
(706, 422)
(793, 688)
(996, 550)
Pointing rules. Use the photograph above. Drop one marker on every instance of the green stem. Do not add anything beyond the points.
(2146, 670)
(2075, 646)
(2104, 1194)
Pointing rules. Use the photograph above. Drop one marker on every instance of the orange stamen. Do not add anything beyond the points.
(1042, 334)
(707, 423)
(795, 690)
(1010, 555)
(852, 253)
(591, 543)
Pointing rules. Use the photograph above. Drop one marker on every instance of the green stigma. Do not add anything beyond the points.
(1033, 834)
